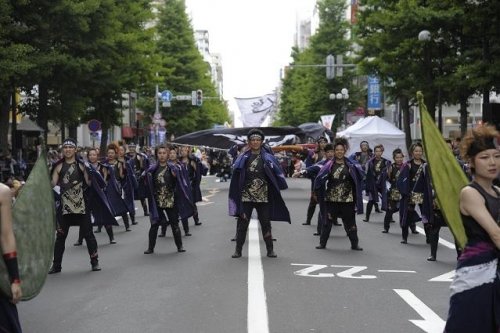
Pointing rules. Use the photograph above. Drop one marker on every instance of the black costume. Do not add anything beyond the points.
(102, 214)
(164, 185)
(376, 176)
(393, 197)
(256, 183)
(339, 192)
(73, 210)
(116, 201)
(192, 168)
(312, 158)
(140, 163)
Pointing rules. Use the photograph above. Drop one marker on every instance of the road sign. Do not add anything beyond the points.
(183, 97)
(339, 70)
(94, 125)
(166, 95)
(330, 67)
(374, 94)
(193, 97)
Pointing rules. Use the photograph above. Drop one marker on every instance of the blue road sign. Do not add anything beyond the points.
(374, 95)
(166, 95)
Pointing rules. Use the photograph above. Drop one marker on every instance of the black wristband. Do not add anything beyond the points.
(12, 269)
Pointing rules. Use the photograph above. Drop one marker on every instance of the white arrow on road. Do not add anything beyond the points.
(446, 277)
(431, 323)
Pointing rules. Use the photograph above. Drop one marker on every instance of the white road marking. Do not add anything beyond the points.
(118, 218)
(205, 198)
(349, 273)
(312, 268)
(394, 271)
(446, 277)
(431, 322)
(204, 204)
(257, 320)
(441, 241)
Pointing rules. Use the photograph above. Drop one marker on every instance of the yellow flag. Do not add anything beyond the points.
(448, 178)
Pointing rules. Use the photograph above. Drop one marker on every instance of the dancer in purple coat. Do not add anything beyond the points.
(256, 184)
(338, 186)
(168, 196)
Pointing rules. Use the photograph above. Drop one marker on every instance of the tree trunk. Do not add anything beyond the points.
(42, 117)
(463, 115)
(72, 131)
(104, 138)
(405, 108)
(13, 129)
(487, 118)
(4, 121)
(63, 130)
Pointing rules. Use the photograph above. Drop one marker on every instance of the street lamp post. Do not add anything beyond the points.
(425, 36)
(342, 96)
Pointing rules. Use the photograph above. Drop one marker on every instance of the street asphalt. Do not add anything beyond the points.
(385, 288)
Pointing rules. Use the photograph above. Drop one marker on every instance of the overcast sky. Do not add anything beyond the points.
(254, 38)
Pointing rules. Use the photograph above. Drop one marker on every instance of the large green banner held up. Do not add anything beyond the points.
(448, 178)
(34, 228)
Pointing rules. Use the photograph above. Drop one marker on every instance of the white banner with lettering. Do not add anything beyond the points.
(327, 120)
(254, 110)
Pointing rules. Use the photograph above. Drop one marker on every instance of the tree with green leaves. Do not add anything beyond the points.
(123, 60)
(16, 60)
(305, 93)
(183, 70)
(387, 33)
(457, 59)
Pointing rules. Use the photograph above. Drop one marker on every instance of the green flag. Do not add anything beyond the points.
(448, 178)
(33, 218)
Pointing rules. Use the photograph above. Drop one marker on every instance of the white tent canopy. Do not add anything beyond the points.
(376, 131)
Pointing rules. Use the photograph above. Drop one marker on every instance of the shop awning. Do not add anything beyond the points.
(28, 125)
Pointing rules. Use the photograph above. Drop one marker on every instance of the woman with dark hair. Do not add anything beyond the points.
(99, 204)
(314, 157)
(394, 195)
(338, 187)
(414, 185)
(168, 196)
(195, 171)
(475, 290)
(128, 182)
(363, 155)
(376, 176)
(115, 177)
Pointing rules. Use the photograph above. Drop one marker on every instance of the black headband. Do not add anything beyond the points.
(255, 136)
(478, 146)
(70, 143)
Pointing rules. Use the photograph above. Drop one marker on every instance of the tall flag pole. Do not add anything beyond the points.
(448, 178)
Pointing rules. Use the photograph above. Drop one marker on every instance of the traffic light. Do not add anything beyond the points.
(199, 97)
